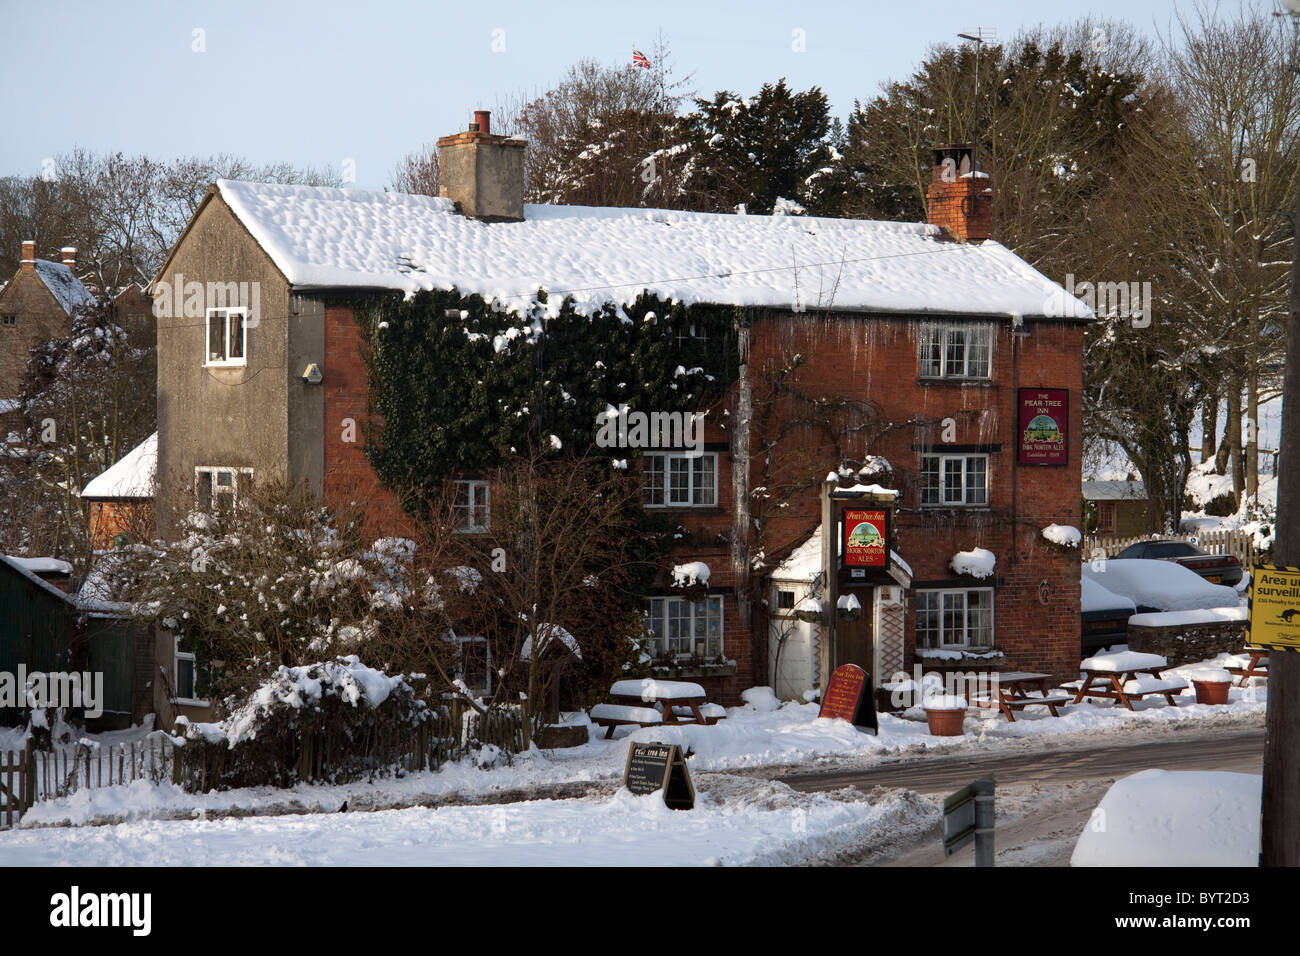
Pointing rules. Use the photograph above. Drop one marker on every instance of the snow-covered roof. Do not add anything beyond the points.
(131, 477)
(63, 285)
(322, 237)
(1114, 491)
(18, 565)
(804, 562)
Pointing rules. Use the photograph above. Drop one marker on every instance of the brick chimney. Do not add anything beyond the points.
(482, 173)
(28, 263)
(960, 199)
(69, 254)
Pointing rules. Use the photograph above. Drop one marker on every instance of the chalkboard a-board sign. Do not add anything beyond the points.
(848, 696)
(652, 767)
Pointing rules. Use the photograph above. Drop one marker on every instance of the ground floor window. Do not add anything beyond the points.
(683, 628)
(474, 665)
(187, 678)
(956, 618)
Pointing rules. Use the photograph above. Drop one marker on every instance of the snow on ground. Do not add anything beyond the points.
(758, 734)
(1175, 818)
(734, 822)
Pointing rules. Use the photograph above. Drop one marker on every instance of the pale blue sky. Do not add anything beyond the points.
(319, 81)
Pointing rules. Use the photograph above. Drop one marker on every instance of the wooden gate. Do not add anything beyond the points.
(15, 787)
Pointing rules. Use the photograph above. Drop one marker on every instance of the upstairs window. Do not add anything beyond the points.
(957, 351)
(472, 506)
(680, 480)
(8, 320)
(227, 337)
(954, 480)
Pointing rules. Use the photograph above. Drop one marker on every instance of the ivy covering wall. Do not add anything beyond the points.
(456, 385)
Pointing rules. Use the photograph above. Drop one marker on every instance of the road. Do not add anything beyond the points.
(1241, 751)
(1044, 799)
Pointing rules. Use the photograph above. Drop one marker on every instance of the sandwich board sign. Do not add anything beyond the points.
(652, 767)
(1274, 618)
(848, 696)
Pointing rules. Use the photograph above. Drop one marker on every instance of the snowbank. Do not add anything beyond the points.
(1174, 818)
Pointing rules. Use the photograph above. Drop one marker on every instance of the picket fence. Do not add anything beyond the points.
(1239, 544)
(29, 776)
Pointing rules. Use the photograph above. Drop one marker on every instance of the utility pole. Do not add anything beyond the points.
(1280, 843)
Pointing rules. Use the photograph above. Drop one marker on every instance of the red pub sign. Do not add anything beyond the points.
(1044, 426)
(866, 533)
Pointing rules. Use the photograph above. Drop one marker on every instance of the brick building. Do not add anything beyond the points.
(898, 351)
(35, 306)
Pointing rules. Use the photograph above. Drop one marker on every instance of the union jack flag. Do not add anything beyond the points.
(639, 58)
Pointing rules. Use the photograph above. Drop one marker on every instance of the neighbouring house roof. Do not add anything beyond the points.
(1114, 491)
(63, 285)
(131, 477)
(321, 237)
(22, 566)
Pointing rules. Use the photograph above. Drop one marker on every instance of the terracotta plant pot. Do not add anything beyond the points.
(945, 723)
(1211, 692)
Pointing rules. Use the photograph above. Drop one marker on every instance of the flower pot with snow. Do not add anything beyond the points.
(945, 715)
(848, 607)
(810, 611)
(1212, 685)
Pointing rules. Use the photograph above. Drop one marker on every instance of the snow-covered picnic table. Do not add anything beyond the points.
(1119, 677)
(651, 702)
(1014, 692)
(1252, 662)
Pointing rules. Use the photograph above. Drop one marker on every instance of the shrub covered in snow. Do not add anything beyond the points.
(331, 721)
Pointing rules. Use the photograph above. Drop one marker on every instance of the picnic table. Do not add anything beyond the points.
(1120, 676)
(651, 703)
(1255, 666)
(1017, 690)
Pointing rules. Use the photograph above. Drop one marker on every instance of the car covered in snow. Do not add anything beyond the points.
(1215, 568)
(1157, 585)
(1105, 617)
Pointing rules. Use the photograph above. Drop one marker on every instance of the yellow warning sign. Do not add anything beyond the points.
(1274, 607)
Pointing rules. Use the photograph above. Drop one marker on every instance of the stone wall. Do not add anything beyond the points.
(1188, 643)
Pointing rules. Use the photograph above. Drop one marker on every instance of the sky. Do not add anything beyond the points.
(357, 86)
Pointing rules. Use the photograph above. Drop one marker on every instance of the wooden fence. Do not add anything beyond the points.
(15, 795)
(29, 776)
(1239, 544)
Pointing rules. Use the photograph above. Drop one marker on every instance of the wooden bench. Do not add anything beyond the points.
(1257, 666)
(611, 716)
(709, 714)
(1017, 690)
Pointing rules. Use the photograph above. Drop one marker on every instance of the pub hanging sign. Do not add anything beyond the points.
(1044, 426)
(866, 537)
